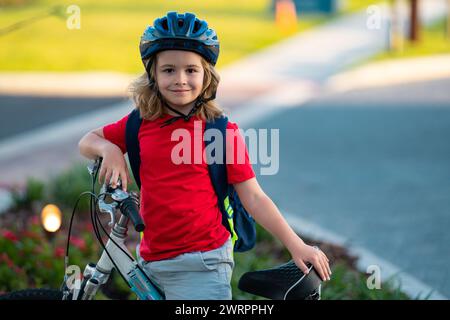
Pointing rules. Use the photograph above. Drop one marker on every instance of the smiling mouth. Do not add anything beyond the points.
(179, 90)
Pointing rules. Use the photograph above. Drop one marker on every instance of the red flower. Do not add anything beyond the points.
(59, 252)
(38, 250)
(35, 220)
(79, 243)
(18, 270)
(10, 236)
(5, 258)
(31, 235)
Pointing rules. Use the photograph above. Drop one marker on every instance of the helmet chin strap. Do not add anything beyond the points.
(181, 115)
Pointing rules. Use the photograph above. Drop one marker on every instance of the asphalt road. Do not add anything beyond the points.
(25, 113)
(373, 166)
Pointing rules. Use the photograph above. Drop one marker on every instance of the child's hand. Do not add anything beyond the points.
(305, 253)
(114, 167)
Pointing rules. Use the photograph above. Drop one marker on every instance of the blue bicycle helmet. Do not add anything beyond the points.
(179, 32)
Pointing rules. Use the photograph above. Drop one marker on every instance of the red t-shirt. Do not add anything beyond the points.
(178, 203)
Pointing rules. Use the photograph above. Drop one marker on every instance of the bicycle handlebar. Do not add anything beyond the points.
(130, 208)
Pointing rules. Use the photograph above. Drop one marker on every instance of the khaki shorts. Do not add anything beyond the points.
(195, 275)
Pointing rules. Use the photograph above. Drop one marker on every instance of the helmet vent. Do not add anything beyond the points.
(179, 32)
(196, 26)
(164, 24)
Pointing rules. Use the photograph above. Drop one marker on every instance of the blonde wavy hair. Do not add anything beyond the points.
(149, 101)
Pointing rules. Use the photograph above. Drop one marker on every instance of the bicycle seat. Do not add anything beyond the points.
(285, 282)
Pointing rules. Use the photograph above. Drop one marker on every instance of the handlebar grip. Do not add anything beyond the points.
(130, 208)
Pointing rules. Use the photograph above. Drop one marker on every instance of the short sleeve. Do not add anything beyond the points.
(239, 168)
(115, 133)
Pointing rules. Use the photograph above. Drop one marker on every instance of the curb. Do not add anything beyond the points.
(413, 287)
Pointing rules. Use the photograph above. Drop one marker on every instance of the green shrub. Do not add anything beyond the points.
(33, 192)
(31, 258)
(64, 189)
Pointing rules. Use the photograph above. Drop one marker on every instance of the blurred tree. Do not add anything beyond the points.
(397, 23)
(448, 19)
(414, 25)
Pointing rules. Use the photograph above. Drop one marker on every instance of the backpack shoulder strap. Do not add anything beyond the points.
(132, 142)
(219, 179)
(218, 171)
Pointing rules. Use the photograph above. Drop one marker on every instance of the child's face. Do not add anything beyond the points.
(179, 75)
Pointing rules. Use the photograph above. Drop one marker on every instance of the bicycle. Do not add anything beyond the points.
(284, 282)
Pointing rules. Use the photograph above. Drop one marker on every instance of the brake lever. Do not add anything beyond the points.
(107, 207)
(119, 195)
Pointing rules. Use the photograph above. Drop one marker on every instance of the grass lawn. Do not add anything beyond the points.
(433, 41)
(110, 31)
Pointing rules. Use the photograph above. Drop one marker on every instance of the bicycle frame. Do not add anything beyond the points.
(94, 276)
(115, 254)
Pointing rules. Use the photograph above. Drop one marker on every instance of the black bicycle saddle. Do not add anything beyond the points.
(285, 282)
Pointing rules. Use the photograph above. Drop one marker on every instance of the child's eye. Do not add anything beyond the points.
(191, 70)
(168, 70)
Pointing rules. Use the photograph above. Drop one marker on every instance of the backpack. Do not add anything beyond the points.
(234, 216)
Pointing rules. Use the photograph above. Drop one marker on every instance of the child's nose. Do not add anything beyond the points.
(180, 78)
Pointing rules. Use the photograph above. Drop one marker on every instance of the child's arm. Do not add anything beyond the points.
(265, 212)
(94, 145)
